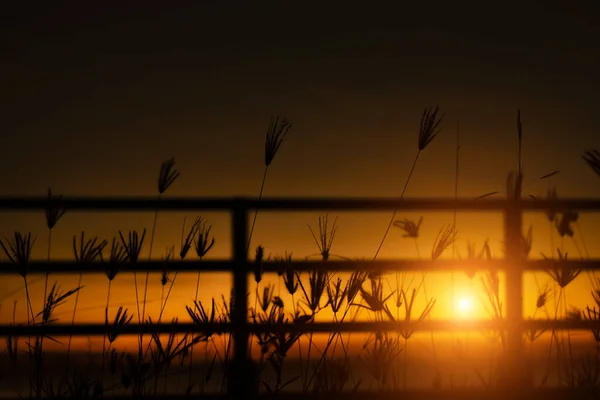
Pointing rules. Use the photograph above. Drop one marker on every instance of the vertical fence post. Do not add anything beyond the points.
(515, 372)
(243, 378)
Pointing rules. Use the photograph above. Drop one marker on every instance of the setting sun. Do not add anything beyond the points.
(464, 305)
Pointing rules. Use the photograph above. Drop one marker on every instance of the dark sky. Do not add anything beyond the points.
(90, 94)
(94, 99)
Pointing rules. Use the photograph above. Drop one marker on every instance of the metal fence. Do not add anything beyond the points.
(243, 384)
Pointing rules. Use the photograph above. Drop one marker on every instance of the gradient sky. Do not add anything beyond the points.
(95, 99)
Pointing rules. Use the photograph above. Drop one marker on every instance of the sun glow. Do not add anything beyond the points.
(464, 305)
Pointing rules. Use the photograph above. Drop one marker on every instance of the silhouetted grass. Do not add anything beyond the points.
(332, 364)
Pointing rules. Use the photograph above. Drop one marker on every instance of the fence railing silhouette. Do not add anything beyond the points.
(239, 265)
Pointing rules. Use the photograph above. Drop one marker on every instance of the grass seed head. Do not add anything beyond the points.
(318, 281)
(267, 297)
(525, 244)
(54, 209)
(186, 244)
(408, 306)
(18, 250)
(430, 126)
(164, 275)
(551, 214)
(203, 244)
(290, 281)
(562, 276)
(563, 225)
(133, 244)
(411, 230)
(472, 255)
(542, 297)
(55, 299)
(374, 300)
(167, 175)
(258, 260)
(592, 158)
(277, 131)
(355, 283)
(88, 250)
(336, 295)
(444, 239)
(122, 319)
(202, 316)
(118, 256)
(325, 240)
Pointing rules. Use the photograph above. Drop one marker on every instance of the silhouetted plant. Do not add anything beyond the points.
(53, 212)
(533, 334)
(86, 252)
(203, 246)
(472, 255)
(592, 158)
(258, 267)
(562, 276)
(18, 250)
(55, 299)
(278, 130)
(133, 248)
(563, 225)
(266, 298)
(428, 130)
(552, 213)
(332, 375)
(591, 314)
(186, 245)
(166, 177)
(375, 300)
(542, 297)
(380, 355)
(336, 294)
(290, 281)
(443, 240)
(286, 258)
(411, 230)
(318, 280)
(118, 256)
(200, 316)
(355, 282)
(326, 236)
(491, 285)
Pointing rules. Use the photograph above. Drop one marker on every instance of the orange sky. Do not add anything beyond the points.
(96, 101)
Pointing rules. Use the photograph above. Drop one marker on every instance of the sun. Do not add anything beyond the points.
(464, 305)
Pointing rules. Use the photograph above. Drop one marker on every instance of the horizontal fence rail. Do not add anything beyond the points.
(145, 204)
(239, 208)
(380, 266)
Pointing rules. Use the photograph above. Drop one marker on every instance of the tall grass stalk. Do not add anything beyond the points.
(428, 130)
(53, 212)
(166, 177)
(87, 252)
(18, 250)
(276, 133)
